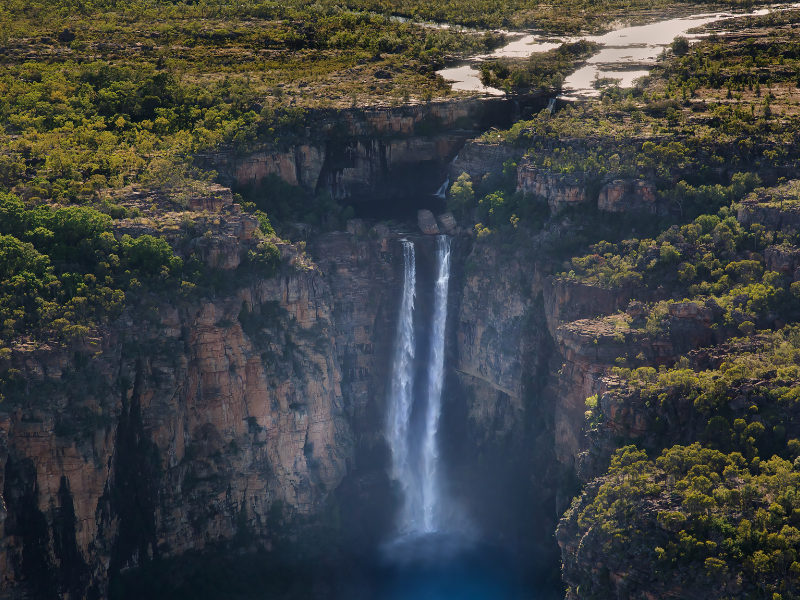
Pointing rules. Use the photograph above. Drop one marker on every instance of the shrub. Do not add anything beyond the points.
(146, 253)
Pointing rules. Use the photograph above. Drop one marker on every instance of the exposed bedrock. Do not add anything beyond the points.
(187, 423)
(362, 152)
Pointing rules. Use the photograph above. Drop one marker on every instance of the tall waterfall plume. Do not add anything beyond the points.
(416, 468)
(402, 391)
(431, 494)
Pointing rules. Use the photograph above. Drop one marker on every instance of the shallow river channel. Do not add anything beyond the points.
(627, 53)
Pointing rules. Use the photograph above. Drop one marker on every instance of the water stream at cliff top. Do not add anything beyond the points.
(627, 53)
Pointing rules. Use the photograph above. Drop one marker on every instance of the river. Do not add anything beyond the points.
(626, 54)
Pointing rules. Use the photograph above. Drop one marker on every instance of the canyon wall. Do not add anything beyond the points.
(190, 422)
(364, 151)
(198, 420)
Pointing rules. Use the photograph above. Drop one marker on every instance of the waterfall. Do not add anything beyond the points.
(402, 390)
(416, 468)
(442, 191)
(430, 448)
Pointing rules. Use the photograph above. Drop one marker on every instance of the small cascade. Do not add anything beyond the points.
(442, 191)
(551, 106)
(402, 389)
(430, 447)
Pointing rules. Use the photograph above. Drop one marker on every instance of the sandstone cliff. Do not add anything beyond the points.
(480, 159)
(190, 422)
(558, 190)
(495, 335)
(360, 151)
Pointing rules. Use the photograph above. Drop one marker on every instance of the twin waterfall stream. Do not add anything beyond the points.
(436, 553)
(415, 454)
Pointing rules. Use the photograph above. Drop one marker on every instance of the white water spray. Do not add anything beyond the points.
(430, 447)
(416, 469)
(402, 391)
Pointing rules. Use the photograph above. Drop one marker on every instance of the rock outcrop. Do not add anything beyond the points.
(447, 222)
(622, 195)
(784, 260)
(771, 215)
(557, 189)
(568, 300)
(357, 151)
(479, 159)
(590, 348)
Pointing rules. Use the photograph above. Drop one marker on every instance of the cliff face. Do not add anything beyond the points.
(479, 159)
(190, 423)
(622, 195)
(369, 167)
(558, 190)
(591, 347)
(496, 334)
(362, 151)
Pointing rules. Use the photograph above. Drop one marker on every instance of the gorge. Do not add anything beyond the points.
(284, 314)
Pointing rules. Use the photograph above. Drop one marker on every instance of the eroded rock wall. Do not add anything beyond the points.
(558, 190)
(356, 151)
(190, 422)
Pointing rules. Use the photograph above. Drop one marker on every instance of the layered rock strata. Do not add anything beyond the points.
(191, 422)
(622, 195)
(558, 190)
(356, 151)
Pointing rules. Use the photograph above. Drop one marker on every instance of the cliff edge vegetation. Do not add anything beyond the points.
(662, 219)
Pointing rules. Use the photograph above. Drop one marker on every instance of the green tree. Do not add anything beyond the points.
(146, 252)
(461, 194)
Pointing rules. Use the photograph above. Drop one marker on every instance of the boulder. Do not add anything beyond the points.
(447, 222)
(382, 231)
(427, 222)
(355, 226)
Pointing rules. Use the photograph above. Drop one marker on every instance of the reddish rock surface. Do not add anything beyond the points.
(556, 189)
(624, 195)
(236, 401)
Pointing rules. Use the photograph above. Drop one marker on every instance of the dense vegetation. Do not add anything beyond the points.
(720, 511)
(696, 518)
(63, 272)
(104, 104)
(561, 16)
(75, 123)
(691, 463)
